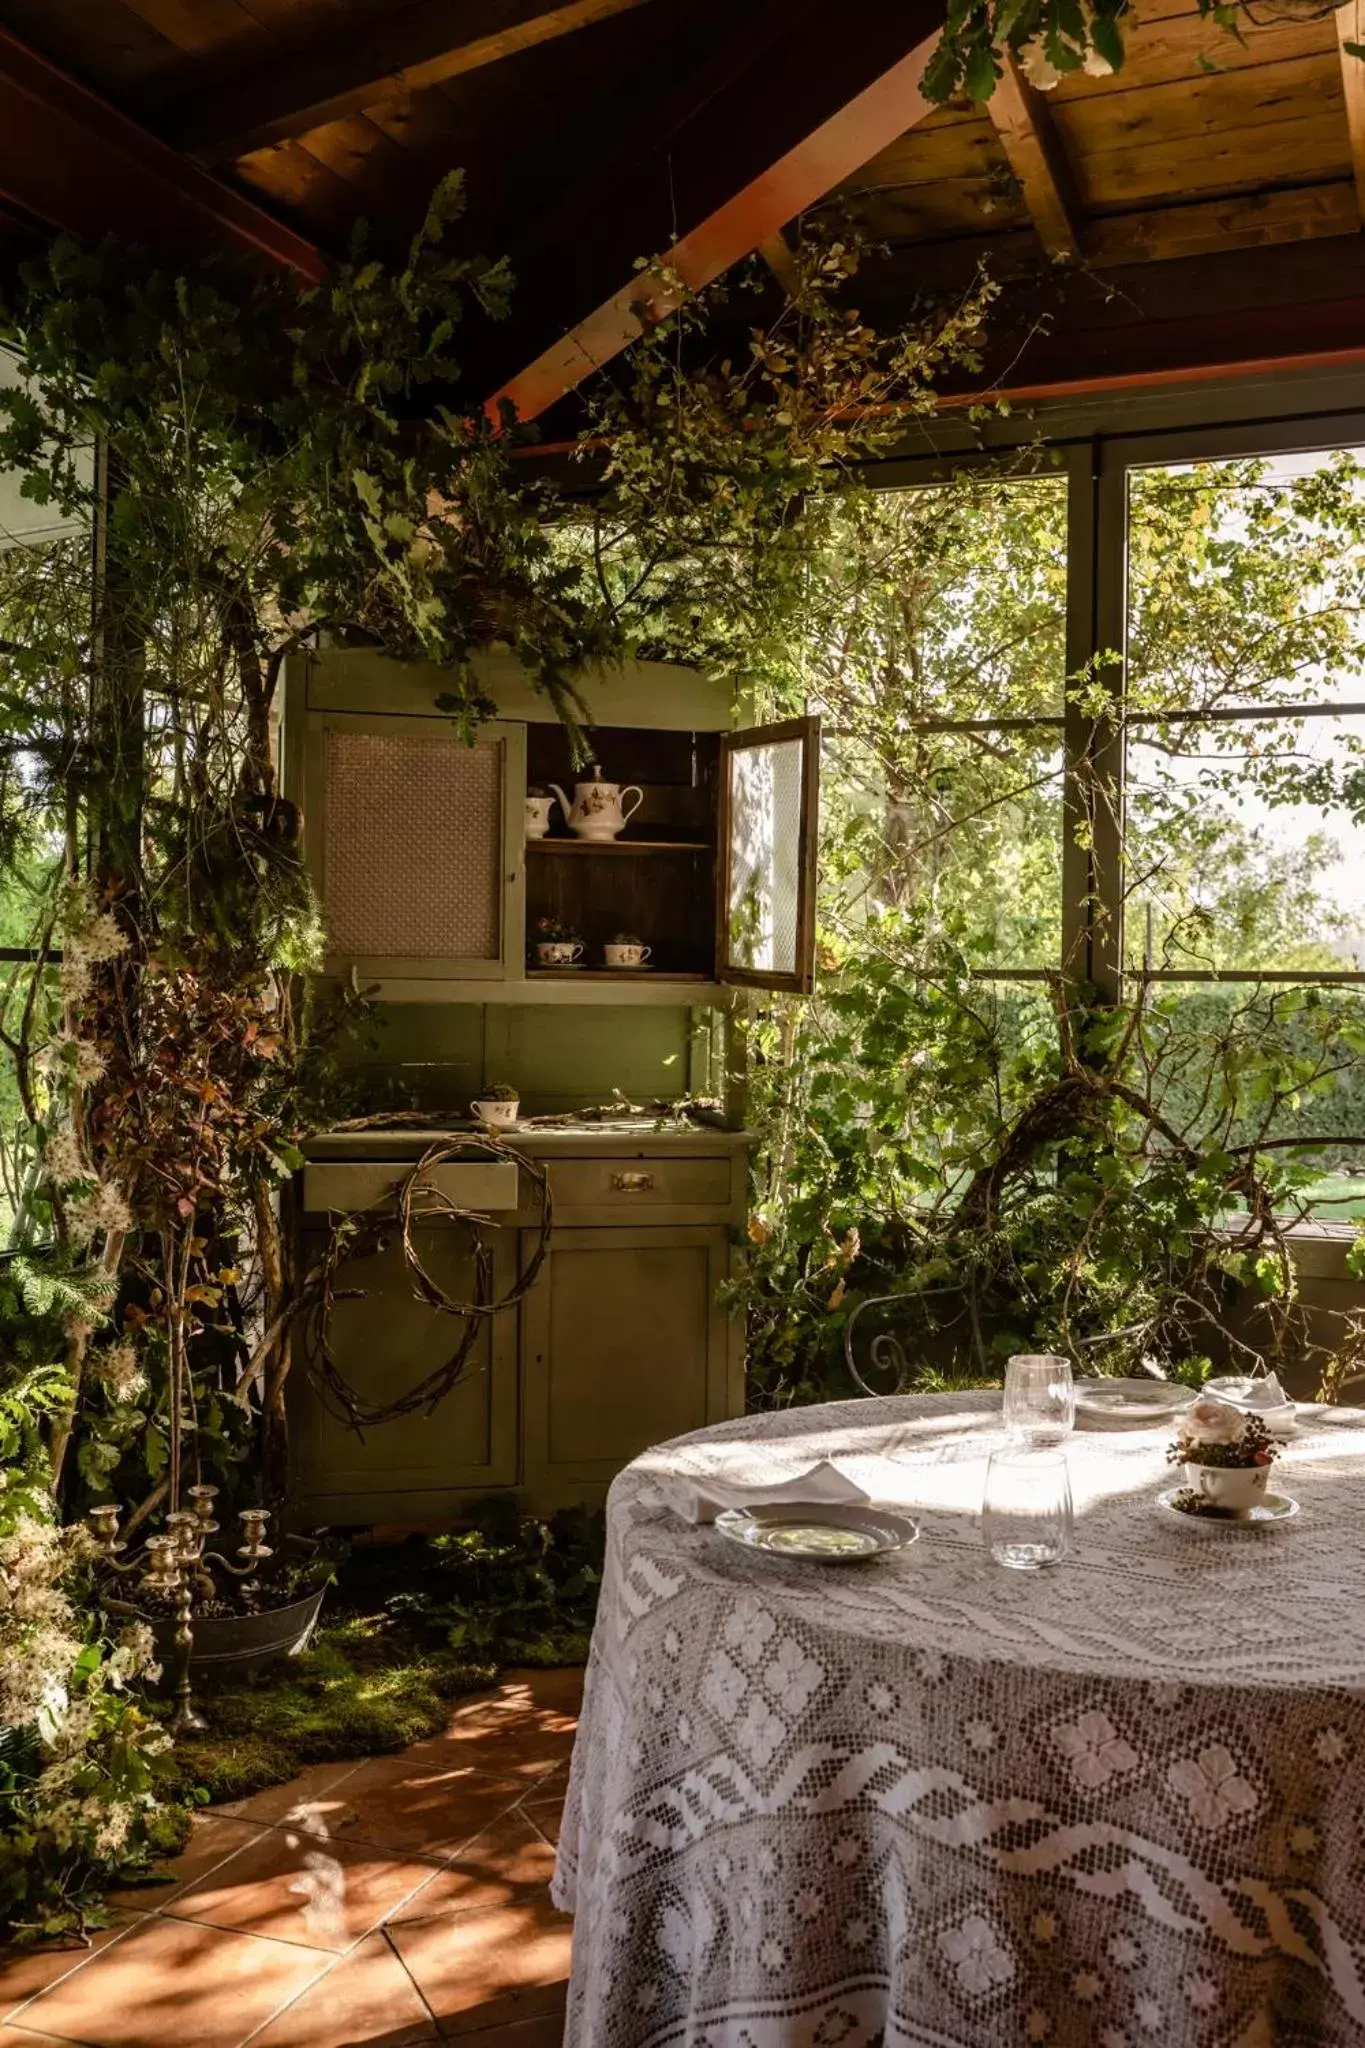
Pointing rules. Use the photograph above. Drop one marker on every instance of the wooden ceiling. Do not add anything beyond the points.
(1200, 209)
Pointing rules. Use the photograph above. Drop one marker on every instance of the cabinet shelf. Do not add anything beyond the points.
(616, 974)
(581, 846)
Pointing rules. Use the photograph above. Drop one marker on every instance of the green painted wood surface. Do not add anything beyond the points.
(442, 1054)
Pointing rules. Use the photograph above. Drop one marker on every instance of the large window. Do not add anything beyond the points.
(1107, 715)
(940, 670)
(1242, 849)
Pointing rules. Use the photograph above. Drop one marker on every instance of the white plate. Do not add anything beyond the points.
(1141, 1401)
(818, 1532)
(1275, 1509)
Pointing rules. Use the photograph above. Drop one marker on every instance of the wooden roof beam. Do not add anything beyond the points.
(805, 94)
(71, 161)
(1351, 29)
(1038, 160)
(396, 50)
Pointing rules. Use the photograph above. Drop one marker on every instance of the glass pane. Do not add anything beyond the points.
(766, 797)
(1246, 846)
(45, 618)
(951, 608)
(1217, 1057)
(1246, 582)
(964, 839)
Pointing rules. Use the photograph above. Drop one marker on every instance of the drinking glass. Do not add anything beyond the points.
(1040, 1398)
(1026, 1515)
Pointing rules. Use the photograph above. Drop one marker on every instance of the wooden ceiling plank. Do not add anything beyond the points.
(198, 24)
(102, 42)
(1351, 29)
(1038, 161)
(768, 129)
(1120, 180)
(418, 45)
(69, 159)
(1222, 106)
(1254, 220)
(1162, 53)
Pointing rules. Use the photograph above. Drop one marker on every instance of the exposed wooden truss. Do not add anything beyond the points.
(71, 161)
(398, 50)
(749, 154)
(1351, 29)
(1038, 160)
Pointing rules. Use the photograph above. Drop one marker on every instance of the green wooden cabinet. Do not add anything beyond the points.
(623, 1344)
(384, 1340)
(416, 837)
(431, 892)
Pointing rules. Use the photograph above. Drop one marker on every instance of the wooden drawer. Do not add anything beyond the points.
(638, 1187)
(341, 1185)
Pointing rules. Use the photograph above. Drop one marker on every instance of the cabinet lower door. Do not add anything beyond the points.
(384, 1342)
(623, 1345)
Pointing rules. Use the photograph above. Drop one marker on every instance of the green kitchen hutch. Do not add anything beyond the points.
(433, 896)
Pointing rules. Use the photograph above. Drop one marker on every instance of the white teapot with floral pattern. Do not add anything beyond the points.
(598, 809)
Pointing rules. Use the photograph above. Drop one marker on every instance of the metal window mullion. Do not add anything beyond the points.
(1092, 893)
(1287, 977)
(1247, 714)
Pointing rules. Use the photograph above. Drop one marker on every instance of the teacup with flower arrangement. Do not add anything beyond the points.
(1226, 1455)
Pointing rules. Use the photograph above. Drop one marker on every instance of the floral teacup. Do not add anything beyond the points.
(558, 952)
(626, 954)
(1234, 1487)
(538, 810)
(498, 1111)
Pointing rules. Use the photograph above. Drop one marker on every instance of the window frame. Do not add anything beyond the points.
(1097, 469)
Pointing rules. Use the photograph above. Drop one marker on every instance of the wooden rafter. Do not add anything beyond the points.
(1038, 161)
(397, 50)
(768, 132)
(776, 252)
(1351, 29)
(71, 161)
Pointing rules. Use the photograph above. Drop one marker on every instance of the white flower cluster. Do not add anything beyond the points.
(119, 1372)
(64, 1158)
(105, 1210)
(87, 943)
(93, 1784)
(68, 1057)
(1039, 69)
(38, 1638)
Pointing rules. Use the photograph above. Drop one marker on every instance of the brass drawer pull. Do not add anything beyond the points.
(632, 1183)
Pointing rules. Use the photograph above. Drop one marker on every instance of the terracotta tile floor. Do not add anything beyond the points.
(396, 1903)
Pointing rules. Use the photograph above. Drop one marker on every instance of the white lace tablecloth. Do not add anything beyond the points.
(929, 1801)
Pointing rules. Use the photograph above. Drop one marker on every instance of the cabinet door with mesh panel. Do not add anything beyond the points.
(415, 839)
(769, 828)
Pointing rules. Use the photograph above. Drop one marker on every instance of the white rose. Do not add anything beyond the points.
(1212, 1422)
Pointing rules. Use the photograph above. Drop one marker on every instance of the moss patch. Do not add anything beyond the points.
(360, 1690)
(411, 1627)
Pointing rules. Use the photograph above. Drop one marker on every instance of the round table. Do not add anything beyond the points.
(930, 1801)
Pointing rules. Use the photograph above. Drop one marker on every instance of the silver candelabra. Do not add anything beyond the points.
(178, 1564)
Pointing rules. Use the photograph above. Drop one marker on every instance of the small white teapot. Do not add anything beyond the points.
(598, 808)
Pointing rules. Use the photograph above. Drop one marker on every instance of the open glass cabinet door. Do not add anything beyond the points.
(769, 831)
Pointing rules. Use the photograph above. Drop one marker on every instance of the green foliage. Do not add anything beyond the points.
(1049, 38)
(80, 1762)
(515, 1588)
(1030, 1169)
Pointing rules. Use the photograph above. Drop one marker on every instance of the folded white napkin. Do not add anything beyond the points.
(823, 1485)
